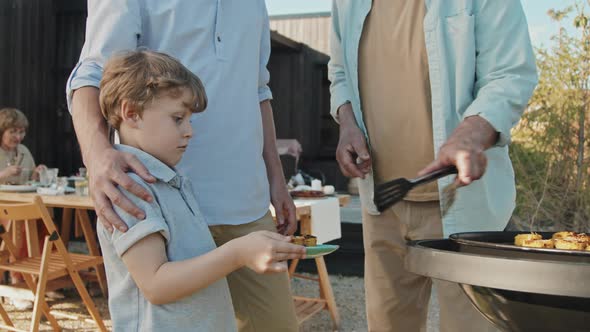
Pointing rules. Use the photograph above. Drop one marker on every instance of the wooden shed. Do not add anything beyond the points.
(312, 29)
(40, 43)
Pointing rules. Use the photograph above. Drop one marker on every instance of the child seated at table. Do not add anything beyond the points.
(165, 273)
(17, 165)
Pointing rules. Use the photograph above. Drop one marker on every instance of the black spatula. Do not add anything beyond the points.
(391, 192)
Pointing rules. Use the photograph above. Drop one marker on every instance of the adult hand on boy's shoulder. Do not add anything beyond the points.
(284, 209)
(107, 170)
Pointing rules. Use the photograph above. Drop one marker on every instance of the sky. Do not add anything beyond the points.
(540, 25)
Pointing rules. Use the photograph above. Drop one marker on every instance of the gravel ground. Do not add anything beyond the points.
(350, 299)
(348, 291)
(71, 305)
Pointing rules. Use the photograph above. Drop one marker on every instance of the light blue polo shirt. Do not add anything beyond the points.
(174, 214)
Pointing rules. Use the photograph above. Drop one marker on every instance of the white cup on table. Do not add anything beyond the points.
(316, 184)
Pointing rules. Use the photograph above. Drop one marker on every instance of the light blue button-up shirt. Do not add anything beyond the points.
(481, 62)
(227, 44)
(175, 215)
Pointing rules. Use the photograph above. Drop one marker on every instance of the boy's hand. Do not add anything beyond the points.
(267, 252)
(107, 169)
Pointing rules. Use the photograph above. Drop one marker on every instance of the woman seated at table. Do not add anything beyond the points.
(17, 165)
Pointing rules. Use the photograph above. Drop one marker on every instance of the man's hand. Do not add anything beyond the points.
(465, 149)
(107, 169)
(352, 146)
(284, 208)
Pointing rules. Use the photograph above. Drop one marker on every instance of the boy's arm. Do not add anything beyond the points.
(143, 250)
(105, 165)
(163, 282)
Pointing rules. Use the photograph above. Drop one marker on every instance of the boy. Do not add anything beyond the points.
(165, 272)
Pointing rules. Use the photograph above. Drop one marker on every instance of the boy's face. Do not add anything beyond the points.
(165, 127)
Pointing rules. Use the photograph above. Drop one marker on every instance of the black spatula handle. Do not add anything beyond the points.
(435, 175)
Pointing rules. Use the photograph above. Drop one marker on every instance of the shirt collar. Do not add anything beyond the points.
(156, 167)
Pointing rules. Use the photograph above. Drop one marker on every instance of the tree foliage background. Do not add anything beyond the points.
(551, 149)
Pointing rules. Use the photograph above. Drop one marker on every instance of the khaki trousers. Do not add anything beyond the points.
(397, 300)
(262, 303)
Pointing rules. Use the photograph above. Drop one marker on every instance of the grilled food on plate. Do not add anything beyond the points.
(561, 235)
(548, 244)
(305, 240)
(569, 244)
(561, 240)
(520, 238)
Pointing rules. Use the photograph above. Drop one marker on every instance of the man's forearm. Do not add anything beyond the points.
(91, 128)
(270, 154)
(346, 116)
(478, 130)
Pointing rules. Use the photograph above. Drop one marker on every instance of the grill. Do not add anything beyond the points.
(516, 288)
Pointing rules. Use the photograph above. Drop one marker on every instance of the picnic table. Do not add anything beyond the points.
(75, 208)
(78, 207)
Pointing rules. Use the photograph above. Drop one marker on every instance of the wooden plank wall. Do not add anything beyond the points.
(33, 71)
(302, 99)
(310, 29)
(26, 55)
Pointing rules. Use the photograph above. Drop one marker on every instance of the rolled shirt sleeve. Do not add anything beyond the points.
(154, 221)
(506, 73)
(264, 92)
(339, 89)
(112, 26)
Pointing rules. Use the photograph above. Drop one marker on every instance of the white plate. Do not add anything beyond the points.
(76, 178)
(320, 250)
(17, 188)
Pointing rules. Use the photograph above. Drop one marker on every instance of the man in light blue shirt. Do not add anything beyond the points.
(232, 162)
(476, 77)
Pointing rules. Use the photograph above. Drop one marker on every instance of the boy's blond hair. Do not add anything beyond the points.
(12, 118)
(141, 75)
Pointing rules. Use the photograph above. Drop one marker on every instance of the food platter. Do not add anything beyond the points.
(307, 194)
(504, 241)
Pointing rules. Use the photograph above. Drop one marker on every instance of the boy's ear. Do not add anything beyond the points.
(129, 115)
